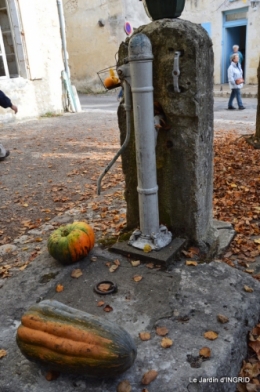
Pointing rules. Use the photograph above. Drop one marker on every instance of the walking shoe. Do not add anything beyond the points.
(241, 108)
(6, 155)
(231, 108)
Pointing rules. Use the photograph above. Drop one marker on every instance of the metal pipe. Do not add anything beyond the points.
(63, 36)
(66, 74)
(140, 58)
(127, 105)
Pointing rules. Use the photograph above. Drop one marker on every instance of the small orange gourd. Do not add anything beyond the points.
(112, 80)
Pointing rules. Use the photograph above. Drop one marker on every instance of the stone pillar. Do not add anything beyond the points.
(184, 150)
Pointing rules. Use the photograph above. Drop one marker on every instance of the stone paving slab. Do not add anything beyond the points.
(184, 299)
(164, 257)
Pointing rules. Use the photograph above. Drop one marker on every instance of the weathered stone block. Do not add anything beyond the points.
(185, 141)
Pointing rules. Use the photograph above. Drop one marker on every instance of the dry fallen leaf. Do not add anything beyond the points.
(137, 278)
(52, 375)
(4, 271)
(104, 287)
(22, 268)
(93, 258)
(149, 376)
(191, 252)
(166, 342)
(76, 273)
(161, 331)
(222, 319)
(108, 308)
(116, 262)
(147, 248)
(124, 386)
(241, 388)
(249, 271)
(249, 370)
(211, 335)
(59, 288)
(205, 352)
(3, 353)
(191, 263)
(256, 347)
(252, 388)
(150, 265)
(145, 336)
(113, 268)
(256, 330)
(248, 289)
(135, 263)
(100, 303)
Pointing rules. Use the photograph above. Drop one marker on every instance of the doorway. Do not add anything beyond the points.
(234, 33)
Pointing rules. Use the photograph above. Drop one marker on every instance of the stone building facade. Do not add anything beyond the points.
(31, 58)
(95, 29)
(229, 22)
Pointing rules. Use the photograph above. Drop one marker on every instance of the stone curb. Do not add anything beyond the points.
(226, 94)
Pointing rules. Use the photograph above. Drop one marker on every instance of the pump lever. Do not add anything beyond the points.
(176, 71)
(127, 105)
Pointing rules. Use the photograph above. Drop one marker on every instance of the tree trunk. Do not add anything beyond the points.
(257, 131)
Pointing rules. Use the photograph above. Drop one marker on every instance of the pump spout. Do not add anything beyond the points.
(127, 105)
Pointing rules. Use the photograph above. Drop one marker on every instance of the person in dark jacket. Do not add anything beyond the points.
(5, 102)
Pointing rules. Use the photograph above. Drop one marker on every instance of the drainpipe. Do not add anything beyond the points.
(140, 58)
(63, 36)
(74, 103)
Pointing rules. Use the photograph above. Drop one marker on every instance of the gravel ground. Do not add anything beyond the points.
(55, 163)
(49, 179)
(53, 170)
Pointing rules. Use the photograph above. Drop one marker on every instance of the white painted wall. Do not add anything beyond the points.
(135, 13)
(41, 92)
(92, 47)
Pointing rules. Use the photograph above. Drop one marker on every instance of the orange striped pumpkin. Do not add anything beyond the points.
(69, 340)
(71, 243)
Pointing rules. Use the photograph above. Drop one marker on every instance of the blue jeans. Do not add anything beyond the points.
(235, 93)
(121, 93)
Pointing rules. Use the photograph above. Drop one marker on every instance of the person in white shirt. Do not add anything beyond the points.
(235, 79)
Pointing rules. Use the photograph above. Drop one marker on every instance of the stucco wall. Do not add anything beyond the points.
(135, 14)
(44, 93)
(203, 11)
(92, 47)
(253, 45)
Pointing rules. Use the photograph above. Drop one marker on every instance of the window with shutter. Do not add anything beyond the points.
(7, 39)
(4, 72)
